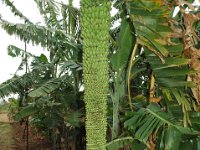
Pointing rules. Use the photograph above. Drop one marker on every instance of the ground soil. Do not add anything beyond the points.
(12, 133)
(4, 118)
(36, 140)
(7, 141)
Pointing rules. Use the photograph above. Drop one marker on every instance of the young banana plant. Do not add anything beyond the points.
(95, 25)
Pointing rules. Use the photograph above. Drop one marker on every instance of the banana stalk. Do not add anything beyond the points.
(95, 26)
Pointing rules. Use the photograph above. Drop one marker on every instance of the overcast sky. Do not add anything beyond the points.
(9, 65)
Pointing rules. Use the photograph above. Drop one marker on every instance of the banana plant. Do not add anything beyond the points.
(53, 96)
(156, 73)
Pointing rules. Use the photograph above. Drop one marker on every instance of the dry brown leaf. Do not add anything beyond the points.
(182, 2)
(195, 91)
(154, 99)
(194, 53)
(195, 64)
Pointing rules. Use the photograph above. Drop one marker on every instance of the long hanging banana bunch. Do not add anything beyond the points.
(95, 25)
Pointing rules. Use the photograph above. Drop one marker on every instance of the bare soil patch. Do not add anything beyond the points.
(36, 140)
(4, 118)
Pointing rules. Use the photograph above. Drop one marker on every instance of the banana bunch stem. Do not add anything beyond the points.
(95, 26)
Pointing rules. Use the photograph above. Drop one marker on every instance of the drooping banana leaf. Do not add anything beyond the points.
(151, 119)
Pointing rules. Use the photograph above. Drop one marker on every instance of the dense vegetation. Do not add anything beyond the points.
(152, 83)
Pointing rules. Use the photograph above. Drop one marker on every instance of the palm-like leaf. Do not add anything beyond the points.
(151, 119)
(149, 18)
(49, 7)
(48, 87)
(16, 52)
(125, 45)
(36, 34)
(119, 143)
(16, 11)
(16, 85)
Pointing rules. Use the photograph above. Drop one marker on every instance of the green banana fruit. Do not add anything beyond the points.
(95, 26)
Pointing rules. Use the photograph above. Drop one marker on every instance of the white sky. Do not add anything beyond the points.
(9, 65)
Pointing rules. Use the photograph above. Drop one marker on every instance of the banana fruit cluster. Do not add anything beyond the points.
(95, 26)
